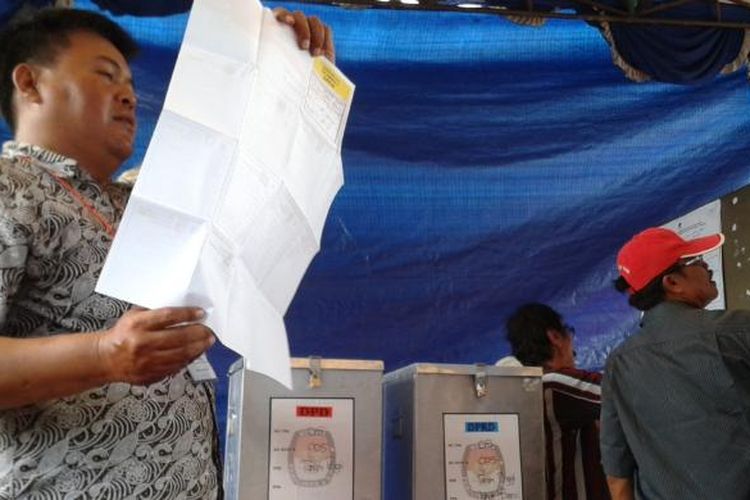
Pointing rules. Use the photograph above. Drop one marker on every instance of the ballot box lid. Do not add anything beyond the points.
(324, 364)
(339, 364)
(456, 369)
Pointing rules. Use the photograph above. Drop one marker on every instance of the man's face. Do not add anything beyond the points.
(88, 92)
(568, 353)
(698, 289)
(563, 350)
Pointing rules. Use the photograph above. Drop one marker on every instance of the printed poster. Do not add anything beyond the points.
(311, 452)
(482, 457)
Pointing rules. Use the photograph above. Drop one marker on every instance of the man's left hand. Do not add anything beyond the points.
(312, 33)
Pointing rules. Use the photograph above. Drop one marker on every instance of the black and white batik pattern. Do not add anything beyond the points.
(117, 441)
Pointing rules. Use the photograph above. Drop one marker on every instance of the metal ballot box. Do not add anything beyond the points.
(321, 440)
(463, 432)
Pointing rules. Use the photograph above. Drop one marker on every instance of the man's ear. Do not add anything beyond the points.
(25, 80)
(669, 282)
(556, 338)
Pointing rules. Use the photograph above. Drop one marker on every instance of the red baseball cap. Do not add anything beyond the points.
(653, 251)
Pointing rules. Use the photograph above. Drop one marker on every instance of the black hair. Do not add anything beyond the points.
(36, 36)
(527, 333)
(650, 295)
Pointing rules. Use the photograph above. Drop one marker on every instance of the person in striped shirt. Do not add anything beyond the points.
(538, 337)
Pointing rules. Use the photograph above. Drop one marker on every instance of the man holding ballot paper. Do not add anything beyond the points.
(95, 397)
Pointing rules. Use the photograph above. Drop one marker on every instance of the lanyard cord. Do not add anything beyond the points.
(86, 204)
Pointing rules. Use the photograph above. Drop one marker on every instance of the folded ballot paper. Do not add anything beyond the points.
(230, 203)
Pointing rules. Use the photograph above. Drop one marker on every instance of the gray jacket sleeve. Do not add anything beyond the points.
(617, 458)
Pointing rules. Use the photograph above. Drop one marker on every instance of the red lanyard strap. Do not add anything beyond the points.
(86, 204)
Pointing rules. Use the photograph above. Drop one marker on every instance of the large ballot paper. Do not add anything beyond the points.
(229, 207)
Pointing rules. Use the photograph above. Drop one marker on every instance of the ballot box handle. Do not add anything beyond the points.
(397, 424)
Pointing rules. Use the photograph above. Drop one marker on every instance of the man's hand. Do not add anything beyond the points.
(621, 488)
(311, 33)
(145, 346)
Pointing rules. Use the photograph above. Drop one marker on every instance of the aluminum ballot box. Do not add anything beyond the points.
(463, 432)
(321, 440)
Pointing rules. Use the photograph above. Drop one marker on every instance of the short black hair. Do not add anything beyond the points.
(527, 333)
(650, 295)
(36, 35)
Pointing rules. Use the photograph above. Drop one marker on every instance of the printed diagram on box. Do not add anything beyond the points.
(483, 470)
(482, 457)
(311, 450)
(312, 457)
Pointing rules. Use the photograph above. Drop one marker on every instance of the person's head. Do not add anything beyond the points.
(538, 337)
(658, 265)
(65, 84)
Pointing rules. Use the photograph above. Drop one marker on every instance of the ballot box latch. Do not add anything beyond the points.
(314, 370)
(397, 424)
(480, 380)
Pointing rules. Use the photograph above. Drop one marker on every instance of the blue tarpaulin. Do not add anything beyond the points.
(486, 165)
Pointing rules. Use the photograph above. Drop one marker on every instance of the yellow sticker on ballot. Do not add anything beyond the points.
(333, 78)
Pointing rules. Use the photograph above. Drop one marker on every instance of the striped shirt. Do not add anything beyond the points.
(571, 427)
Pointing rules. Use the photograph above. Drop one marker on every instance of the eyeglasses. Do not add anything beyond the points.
(692, 261)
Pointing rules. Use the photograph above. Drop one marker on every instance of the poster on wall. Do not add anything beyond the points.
(311, 450)
(702, 222)
(482, 457)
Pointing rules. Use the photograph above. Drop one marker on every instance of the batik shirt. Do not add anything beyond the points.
(115, 441)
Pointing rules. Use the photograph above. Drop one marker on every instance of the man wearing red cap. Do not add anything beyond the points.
(675, 419)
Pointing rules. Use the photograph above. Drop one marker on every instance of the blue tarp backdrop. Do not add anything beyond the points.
(486, 165)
